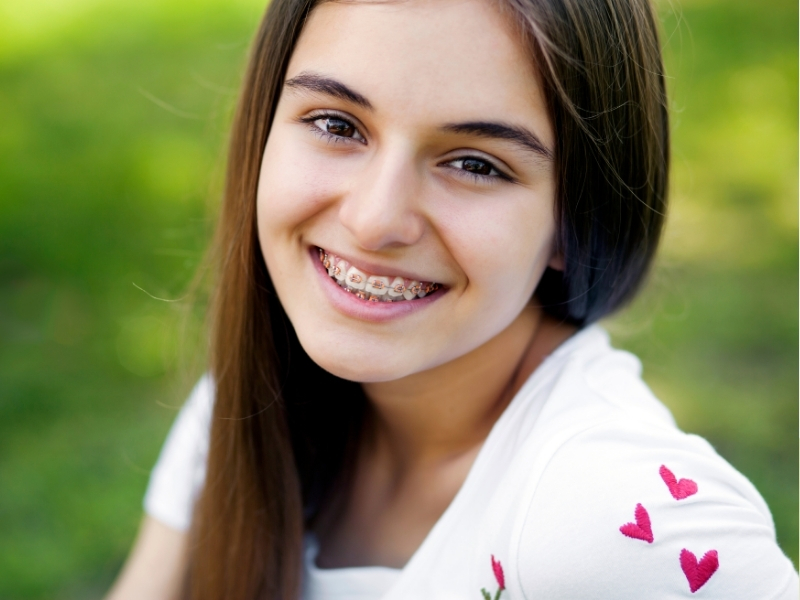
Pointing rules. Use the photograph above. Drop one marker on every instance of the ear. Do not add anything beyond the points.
(556, 261)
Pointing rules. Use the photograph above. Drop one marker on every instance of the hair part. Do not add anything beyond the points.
(279, 449)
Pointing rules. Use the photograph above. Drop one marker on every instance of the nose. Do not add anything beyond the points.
(382, 207)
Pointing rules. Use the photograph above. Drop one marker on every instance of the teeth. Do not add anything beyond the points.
(373, 288)
(412, 289)
(340, 271)
(377, 286)
(427, 288)
(356, 279)
(397, 287)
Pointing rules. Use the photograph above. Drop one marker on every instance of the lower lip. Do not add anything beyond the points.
(347, 303)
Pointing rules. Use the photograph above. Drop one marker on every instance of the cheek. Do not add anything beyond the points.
(503, 245)
(294, 185)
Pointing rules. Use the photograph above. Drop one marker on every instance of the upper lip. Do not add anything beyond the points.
(376, 269)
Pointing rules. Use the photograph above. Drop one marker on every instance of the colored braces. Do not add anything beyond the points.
(373, 288)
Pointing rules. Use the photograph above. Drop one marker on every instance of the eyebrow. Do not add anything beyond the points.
(319, 84)
(492, 130)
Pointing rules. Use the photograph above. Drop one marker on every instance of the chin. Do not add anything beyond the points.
(363, 363)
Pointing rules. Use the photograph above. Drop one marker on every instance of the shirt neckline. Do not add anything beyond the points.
(348, 583)
(310, 558)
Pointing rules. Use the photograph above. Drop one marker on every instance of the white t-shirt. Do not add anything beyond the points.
(584, 488)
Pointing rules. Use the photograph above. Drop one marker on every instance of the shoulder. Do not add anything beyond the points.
(596, 381)
(622, 504)
(191, 428)
(179, 473)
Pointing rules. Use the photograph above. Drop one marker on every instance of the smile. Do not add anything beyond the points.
(373, 288)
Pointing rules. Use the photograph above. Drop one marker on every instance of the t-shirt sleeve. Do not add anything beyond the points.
(179, 473)
(631, 511)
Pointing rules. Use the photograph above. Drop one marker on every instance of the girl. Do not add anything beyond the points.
(428, 204)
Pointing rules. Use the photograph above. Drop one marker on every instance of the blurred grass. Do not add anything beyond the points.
(112, 123)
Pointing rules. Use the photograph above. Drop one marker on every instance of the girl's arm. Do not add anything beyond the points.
(629, 509)
(155, 566)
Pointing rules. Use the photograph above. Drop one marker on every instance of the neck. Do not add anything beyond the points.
(448, 411)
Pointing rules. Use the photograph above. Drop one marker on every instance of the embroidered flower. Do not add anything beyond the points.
(498, 573)
(497, 569)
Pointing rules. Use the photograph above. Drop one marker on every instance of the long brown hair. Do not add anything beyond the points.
(283, 429)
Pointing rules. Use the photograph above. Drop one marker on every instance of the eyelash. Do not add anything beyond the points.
(477, 177)
(340, 139)
(330, 137)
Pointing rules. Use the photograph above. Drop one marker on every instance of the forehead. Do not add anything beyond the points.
(441, 60)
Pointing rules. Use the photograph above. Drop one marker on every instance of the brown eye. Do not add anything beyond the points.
(334, 128)
(477, 169)
(477, 166)
(339, 127)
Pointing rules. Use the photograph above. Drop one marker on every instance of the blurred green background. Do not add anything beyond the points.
(113, 118)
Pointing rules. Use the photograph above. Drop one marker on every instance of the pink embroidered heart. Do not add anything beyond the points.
(679, 489)
(641, 530)
(698, 573)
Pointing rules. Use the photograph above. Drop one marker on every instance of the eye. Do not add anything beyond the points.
(334, 127)
(477, 168)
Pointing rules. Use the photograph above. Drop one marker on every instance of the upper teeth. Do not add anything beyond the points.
(397, 287)
(377, 286)
(373, 287)
(356, 279)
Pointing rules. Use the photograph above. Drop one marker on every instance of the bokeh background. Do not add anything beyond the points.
(113, 118)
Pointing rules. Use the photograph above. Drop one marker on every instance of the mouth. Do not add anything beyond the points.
(371, 287)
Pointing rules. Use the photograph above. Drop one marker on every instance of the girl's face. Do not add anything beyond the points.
(411, 142)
